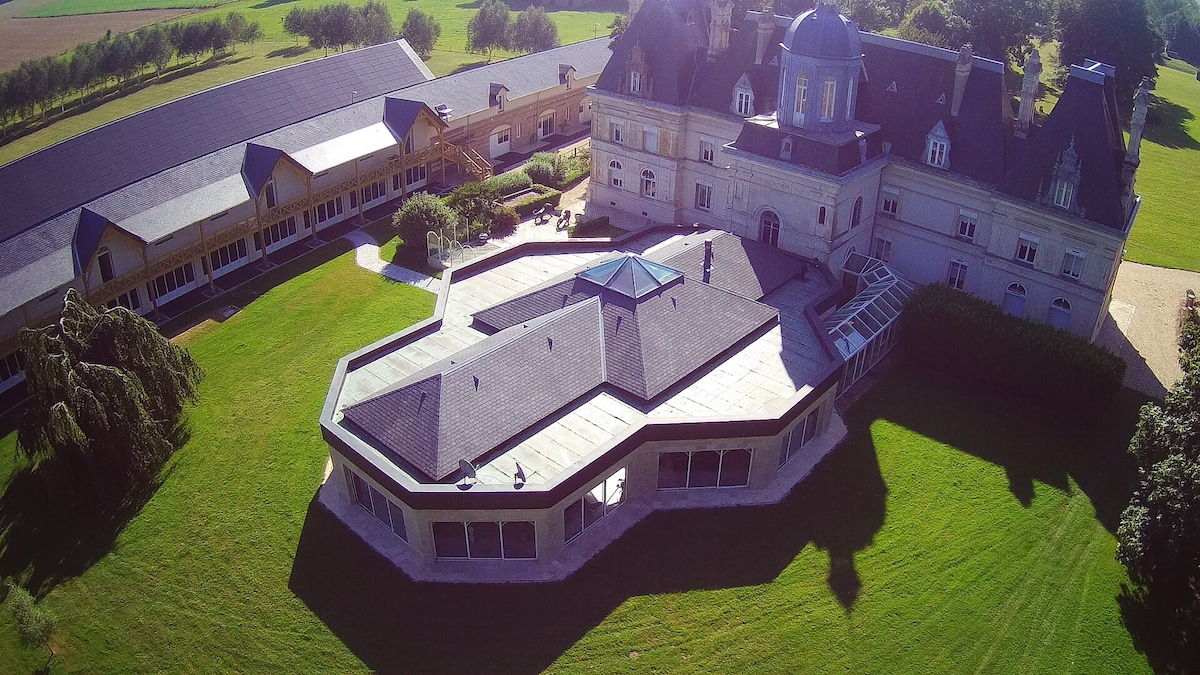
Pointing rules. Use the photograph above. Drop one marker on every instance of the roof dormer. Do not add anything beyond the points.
(742, 103)
(1063, 191)
(497, 95)
(937, 147)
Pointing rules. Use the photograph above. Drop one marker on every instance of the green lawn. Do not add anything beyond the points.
(70, 7)
(1167, 231)
(279, 49)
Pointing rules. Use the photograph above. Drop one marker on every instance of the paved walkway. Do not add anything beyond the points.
(366, 256)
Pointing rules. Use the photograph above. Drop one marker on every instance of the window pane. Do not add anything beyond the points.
(593, 505)
(449, 540)
(735, 468)
(519, 540)
(614, 490)
(361, 495)
(572, 519)
(672, 470)
(705, 465)
(485, 539)
(810, 426)
(380, 506)
(397, 521)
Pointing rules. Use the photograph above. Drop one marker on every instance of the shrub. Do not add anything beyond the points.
(975, 340)
(547, 197)
(505, 219)
(35, 624)
(547, 168)
(421, 213)
(509, 183)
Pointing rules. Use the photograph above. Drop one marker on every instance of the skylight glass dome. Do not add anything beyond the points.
(630, 275)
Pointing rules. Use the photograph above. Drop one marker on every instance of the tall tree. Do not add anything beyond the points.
(297, 22)
(106, 392)
(154, 47)
(422, 32)
(1001, 29)
(533, 31)
(375, 24)
(1159, 536)
(1116, 32)
(933, 22)
(488, 28)
(868, 14)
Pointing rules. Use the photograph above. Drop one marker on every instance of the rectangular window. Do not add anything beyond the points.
(416, 175)
(132, 300)
(635, 82)
(743, 105)
(596, 503)
(704, 468)
(353, 199)
(270, 195)
(937, 153)
(227, 255)
(374, 191)
(828, 98)
(277, 232)
(1027, 248)
(172, 281)
(546, 126)
(882, 249)
(956, 278)
(708, 150)
(650, 140)
(1073, 263)
(891, 201)
(1064, 193)
(800, 436)
(12, 366)
(374, 502)
(485, 540)
(703, 197)
(409, 145)
(104, 259)
(617, 131)
(966, 224)
(327, 210)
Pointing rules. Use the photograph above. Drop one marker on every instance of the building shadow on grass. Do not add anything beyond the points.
(1166, 125)
(394, 624)
(49, 534)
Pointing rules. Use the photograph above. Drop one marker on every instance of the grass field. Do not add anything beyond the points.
(951, 532)
(1167, 231)
(72, 7)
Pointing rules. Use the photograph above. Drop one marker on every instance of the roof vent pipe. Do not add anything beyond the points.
(708, 256)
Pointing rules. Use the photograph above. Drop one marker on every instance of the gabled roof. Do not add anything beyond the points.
(257, 165)
(399, 115)
(87, 237)
(125, 151)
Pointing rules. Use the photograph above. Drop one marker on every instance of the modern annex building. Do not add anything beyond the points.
(808, 135)
(163, 208)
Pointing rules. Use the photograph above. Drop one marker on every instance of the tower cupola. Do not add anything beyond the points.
(819, 68)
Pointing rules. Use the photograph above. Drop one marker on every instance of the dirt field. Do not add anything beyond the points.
(22, 39)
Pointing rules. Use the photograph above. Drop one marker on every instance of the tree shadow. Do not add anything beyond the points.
(288, 52)
(395, 624)
(48, 535)
(470, 66)
(1160, 625)
(265, 4)
(1166, 125)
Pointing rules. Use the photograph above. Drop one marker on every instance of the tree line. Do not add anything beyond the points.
(47, 82)
(492, 27)
(337, 26)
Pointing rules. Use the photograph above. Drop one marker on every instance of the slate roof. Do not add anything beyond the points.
(672, 45)
(1086, 114)
(747, 268)
(834, 153)
(555, 344)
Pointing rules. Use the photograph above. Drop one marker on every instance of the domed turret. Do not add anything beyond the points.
(823, 32)
(819, 68)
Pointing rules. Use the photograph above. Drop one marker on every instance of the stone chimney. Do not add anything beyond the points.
(962, 70)
(718, 28)
(1029, 85)
(766, 28)
(1137, 127)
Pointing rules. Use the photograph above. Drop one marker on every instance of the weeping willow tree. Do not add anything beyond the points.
(106, 393)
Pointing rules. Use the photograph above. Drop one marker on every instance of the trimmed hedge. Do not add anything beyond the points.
(509, 183)
(975, 340)
(588, 227)
(548, 197)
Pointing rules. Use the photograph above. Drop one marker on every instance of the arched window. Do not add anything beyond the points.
(615, 178)
(785, 149)
(856, 213)
(821, 216)
(649, 187)
(828, 99)
(801, 99)
(1014, 299)
(104, 260)
(1060, 313)
(768, 231)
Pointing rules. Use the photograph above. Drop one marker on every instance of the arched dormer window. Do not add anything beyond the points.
(828, 98)
(856, 213)
(937, 147)
(801, 99)
(768, 228)
(785, 150)
(615, 177)
(1064, 181)
(649, 185)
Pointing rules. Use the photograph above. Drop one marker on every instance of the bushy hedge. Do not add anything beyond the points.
(975, 340)
(509, 183)
(548, 197)
(546, 168)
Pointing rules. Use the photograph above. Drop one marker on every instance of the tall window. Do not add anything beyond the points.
(172, 281)
(104, 260)
(800, 436)
(703, 197)
(375, 503)
(891, 201)
(227, 255)
(821, 216)
(744, 103)
(937, 153)
(828, 99)
(1014, 299)
(596, 503)
(704, 469)
(649, 187)
(1060, 313)
(1064, 193)
(615, 178)
(769, 228)
(966, 224)
(270, 194)
(635, 82)
(650, 140)
(785, 149)
(882, 249)
(856, 213)
(801, 99)
(956, 277)
(409, 145)
(546, 125)
(708, 150)
(1073, 263)
(850, 100)
(617, 131)
(1027, 247)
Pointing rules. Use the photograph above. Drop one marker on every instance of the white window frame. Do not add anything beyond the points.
(1064, 193)
(650, 140)
(828, 99)
(890, 204)
(968, 223)
(708, 150)
(649, 184)
(616, 176)
(743, 102)
(937, 153)
(801, 99)
(704, 196)
(616, 131)
(956, 275)
(881, 249)
(635, 82)
(1027, 248)
(1073, 261)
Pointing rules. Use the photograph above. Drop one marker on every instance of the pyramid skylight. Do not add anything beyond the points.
(630, 275)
